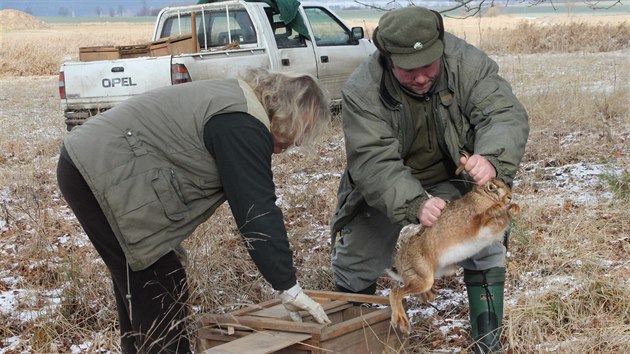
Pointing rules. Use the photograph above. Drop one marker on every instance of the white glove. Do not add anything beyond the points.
(294, 300)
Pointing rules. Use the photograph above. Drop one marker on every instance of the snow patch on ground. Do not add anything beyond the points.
(579, 182)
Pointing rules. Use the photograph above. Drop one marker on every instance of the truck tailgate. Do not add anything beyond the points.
(113, 81)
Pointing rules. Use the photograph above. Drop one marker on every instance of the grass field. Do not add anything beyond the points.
(568, 288)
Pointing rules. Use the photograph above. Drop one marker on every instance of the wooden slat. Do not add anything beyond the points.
(259, 343)
(193, 31)
(277, 311)
(210, 320)
(334, 295)
(260, 323)
(356, 323)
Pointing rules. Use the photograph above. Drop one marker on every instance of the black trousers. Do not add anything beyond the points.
(151, 303)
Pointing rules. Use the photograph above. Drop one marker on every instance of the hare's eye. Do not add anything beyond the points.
(492, 187)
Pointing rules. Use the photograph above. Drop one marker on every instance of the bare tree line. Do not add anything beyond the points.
(469, 7)
(473, 7)
(99, 11)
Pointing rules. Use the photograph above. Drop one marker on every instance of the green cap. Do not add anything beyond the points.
(410, 36)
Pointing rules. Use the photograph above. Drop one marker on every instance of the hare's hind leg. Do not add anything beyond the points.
(413, 285)
(399, 317)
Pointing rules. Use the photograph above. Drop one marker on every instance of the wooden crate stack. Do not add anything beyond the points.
(174, 45)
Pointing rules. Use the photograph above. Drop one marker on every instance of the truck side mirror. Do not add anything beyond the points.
(357, 33)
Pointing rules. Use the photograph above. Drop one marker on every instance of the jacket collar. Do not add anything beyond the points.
(389, 91)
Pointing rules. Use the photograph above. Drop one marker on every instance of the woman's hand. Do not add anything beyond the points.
(295, 300)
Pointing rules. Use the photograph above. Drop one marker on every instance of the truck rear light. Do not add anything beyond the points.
(62, 85)
(179, 74)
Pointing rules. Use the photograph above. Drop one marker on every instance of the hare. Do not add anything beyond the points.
(466, 226)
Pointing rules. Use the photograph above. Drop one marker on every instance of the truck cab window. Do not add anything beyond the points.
(216, 28)
(285, 36)
(176, 25)
(327, 30)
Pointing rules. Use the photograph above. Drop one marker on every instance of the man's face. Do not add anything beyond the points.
(419, 80)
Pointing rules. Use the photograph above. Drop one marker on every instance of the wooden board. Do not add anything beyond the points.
(133, 51)
(259, 343)
(334, 295)
(179, 44)
(98, 53)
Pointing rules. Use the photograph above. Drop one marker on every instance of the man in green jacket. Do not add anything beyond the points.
(409, 112)
(142, 176)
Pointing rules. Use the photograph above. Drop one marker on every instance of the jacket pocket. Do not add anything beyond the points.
(167, 189)
(491, 97)
(146, 203)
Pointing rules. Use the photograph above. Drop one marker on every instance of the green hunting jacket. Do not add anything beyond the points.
(477, 112)
(152, 175)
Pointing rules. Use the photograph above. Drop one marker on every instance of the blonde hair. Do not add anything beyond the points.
(297, 106)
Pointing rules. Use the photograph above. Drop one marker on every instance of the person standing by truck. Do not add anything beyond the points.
(409, 112)
(143, 175)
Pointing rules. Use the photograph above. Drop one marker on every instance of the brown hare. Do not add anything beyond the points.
(466, 226)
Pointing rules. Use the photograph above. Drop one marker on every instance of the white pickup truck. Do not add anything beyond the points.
(213, 41)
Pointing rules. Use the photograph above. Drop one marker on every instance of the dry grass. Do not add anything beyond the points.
(572, 37)
(41, 51)
(505, 34)
(568, 273)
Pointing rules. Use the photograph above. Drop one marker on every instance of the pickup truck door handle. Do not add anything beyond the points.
(285, 62)
(324, 58)
(118, 69)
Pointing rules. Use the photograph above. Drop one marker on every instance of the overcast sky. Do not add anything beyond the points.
(128, 7)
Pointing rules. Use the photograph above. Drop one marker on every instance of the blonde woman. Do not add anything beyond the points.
(142, 176)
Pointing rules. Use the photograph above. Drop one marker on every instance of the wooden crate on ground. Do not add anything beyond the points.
(267, 328)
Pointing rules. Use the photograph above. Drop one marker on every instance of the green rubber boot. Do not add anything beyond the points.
(485, 298)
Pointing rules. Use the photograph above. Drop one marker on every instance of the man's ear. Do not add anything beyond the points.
(377, 44)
